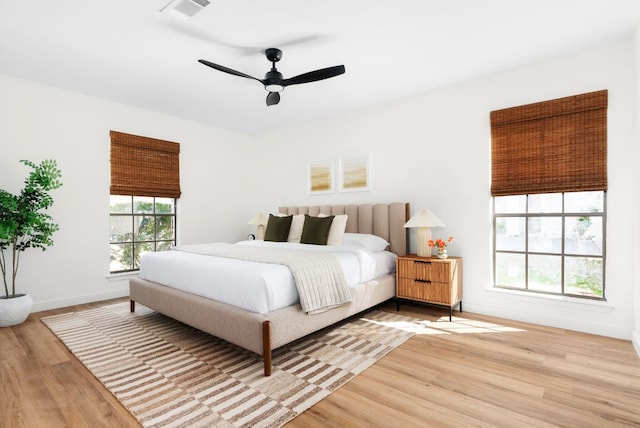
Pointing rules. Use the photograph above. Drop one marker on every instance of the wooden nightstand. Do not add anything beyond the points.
(429, 280)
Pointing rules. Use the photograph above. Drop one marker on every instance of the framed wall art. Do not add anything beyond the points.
(320, 177)
(355, 174)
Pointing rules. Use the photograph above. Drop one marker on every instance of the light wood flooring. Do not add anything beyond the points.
(474, 371)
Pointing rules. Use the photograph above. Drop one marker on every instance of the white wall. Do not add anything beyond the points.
(40, 122)
(433, 150)
(635, 282)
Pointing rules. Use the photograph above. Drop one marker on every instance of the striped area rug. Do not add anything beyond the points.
(168, 374)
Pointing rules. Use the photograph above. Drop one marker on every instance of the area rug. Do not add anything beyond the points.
(168, 374)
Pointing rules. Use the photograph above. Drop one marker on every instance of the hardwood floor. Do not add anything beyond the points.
(44, 385)
(475, 371)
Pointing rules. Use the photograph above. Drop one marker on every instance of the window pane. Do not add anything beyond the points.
(583, 276)
(545, 234)
(163, 245)
(583, 235)
(545, 203)
(120, 204)
(510, 234)
(142, 205)
(516, 204)
(141, 249)
(121, 257)
(164, 227)
(510, 270)
(121, 229)
(584, 202)
(164, 206)
(144, 228)
(545, 273)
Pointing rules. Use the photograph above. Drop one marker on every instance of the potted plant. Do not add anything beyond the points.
(24, 224)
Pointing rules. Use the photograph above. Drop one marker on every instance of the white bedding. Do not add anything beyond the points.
(256, 287)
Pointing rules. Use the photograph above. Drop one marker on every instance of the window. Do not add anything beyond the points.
(551, 243)
(145, 185)
(549, 182)
(138, 225)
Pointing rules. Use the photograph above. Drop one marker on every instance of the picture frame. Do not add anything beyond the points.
(355, 174)
(321, 177)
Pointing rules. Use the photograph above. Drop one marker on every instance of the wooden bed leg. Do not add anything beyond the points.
(132, 305)
(266, 346)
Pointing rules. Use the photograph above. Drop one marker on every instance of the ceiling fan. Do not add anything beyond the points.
(273, 81)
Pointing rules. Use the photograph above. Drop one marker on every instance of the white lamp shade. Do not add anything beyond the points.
(424, 218)
(260, 218)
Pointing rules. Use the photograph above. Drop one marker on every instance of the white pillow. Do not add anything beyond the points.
(295, 232)
(336, 232)
(369, 242)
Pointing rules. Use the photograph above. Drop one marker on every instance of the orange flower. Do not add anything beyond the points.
(440, 243)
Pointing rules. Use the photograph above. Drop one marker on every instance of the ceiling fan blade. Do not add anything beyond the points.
(313, 76)
(273, 98)
(226, 69)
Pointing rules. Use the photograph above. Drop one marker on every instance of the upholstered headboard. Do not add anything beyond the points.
(384, 220)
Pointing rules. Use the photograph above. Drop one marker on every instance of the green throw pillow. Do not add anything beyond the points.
(278, 228)
(316, 230)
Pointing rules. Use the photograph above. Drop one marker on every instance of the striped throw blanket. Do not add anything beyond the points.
(318, 276)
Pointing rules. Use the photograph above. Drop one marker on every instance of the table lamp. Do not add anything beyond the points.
(424, 220)
(260, 220)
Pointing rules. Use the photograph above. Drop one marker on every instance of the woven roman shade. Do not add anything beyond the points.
(142, 166)
(552, 146)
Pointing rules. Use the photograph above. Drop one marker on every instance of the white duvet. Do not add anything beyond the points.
(256, 287)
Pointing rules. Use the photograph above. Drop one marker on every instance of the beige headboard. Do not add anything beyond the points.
(384, 220)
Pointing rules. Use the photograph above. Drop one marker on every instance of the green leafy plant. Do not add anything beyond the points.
(23, 222)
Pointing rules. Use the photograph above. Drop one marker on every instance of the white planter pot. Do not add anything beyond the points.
(15, 311)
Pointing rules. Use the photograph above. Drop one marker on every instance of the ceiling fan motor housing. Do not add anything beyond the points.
(273, 54)
(273, 81)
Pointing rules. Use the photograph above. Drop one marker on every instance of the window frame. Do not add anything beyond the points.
(132, 214)
(563, 254)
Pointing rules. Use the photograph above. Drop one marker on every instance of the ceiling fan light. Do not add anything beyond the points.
(274, 88)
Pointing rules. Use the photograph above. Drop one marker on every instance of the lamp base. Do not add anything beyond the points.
(261, 231)
(424, 236)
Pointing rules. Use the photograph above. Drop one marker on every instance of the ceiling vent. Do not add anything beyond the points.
(184, 9)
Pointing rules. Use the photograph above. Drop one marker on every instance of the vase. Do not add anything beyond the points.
(15, 310)
(442, 254)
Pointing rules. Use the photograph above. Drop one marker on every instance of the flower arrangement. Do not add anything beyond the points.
(440, 243)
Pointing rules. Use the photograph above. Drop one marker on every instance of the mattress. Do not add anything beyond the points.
(253, 286)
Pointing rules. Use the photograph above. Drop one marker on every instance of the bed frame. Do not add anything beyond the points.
(262, 333)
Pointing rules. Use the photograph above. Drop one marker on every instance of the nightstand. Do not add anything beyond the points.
(429, 280)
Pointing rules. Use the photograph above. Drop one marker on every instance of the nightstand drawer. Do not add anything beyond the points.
(427, 291)
(424, 270)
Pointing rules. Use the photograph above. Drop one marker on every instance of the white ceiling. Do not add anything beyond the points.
(128, 52)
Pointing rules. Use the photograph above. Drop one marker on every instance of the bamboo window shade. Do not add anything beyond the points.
(142, 166)
(552, 146)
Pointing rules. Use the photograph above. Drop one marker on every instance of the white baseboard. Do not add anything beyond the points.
(78, 300)
(556, 321)
(635, 339)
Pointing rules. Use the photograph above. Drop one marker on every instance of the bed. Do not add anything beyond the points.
(262, 331)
